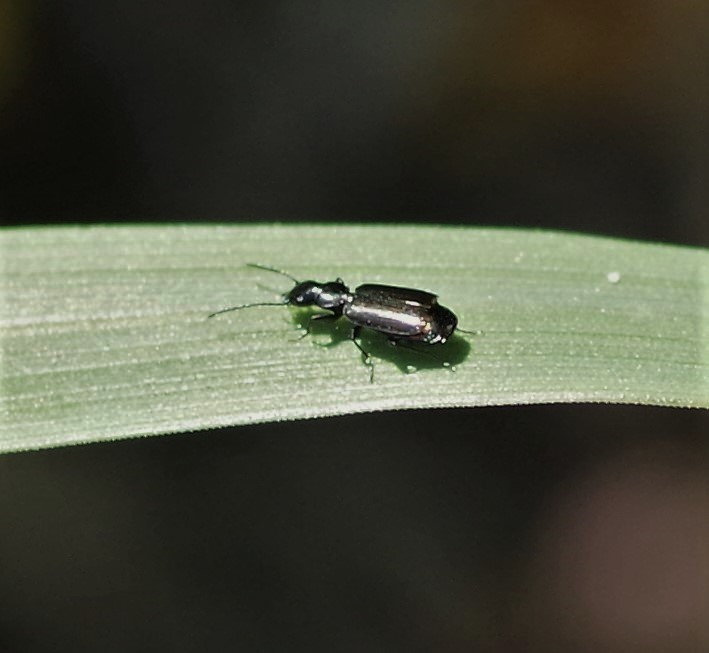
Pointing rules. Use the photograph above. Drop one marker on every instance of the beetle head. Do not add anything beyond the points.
(331, 295)
(304, 293)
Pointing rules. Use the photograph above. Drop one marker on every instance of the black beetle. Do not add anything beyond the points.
(402, 314)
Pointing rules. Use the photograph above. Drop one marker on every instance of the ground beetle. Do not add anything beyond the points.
(402, 314)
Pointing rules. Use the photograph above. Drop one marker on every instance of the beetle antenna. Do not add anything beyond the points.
(270, 269)
(236, 308)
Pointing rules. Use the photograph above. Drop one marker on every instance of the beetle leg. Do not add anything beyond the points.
(416, 350)
(366, 358)
(312, 318)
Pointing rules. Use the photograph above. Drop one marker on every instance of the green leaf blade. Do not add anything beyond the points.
(105, 331)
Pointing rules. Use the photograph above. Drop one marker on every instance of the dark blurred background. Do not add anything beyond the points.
(575, 528)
